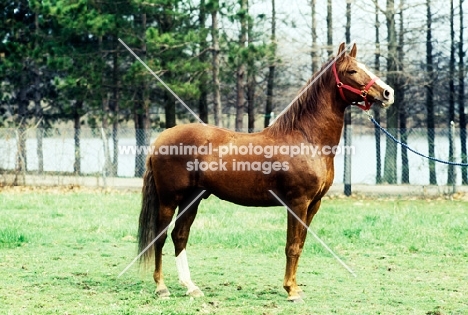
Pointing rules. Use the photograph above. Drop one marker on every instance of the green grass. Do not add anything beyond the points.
(61, 253)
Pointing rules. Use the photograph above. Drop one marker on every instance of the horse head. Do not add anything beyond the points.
(356, 84)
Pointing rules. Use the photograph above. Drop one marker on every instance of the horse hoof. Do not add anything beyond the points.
(196, 293)
(163, 293)
(302, 294)
(295, 299)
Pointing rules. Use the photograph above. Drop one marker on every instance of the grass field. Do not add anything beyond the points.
(61, 253)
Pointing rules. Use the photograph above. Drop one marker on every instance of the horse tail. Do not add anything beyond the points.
(148, 216)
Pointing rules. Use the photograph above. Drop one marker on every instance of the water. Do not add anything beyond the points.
(59, 154)
(364, 160)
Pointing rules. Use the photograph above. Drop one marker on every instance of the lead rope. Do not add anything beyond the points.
(407, 147)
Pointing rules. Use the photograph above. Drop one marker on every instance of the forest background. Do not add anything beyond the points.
(236, 63)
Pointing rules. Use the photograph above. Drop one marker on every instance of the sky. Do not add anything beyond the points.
(294, 33)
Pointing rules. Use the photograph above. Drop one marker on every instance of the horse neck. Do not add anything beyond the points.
(326, 121)
(320, 119)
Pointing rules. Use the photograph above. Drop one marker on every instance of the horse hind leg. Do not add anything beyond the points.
(163, 221)
(155, 217)
(180, 236)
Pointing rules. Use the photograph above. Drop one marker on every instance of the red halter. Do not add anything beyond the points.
(362, 93)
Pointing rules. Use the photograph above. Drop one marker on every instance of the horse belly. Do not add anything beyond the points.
(243, 188)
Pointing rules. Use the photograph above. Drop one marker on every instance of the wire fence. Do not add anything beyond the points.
(64, 153)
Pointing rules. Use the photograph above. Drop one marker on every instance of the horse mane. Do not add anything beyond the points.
(303, 114)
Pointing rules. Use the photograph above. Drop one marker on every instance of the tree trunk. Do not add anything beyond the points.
(400, 96)
(203, 85)
(115, 106)
(348, 22)
(430, 95)
(390, 164)
(105, 110)
(451, 114)
(240, 98)
(141, 103)
(21, 161)
(347, 118)
(37, 104)
(251, 83)
(77, 111)
(314, 51)
(203, 100)
(166, 24)
(271, 67)
(216, 84)
(329, 28)
(378, 170)
(39, 131)
(461, 99)
(170, 109)
(251, 103)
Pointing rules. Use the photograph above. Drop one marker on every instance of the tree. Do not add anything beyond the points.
(38, 112)
(74, 81)
(114, 105)
(271, 66)
(214, 7)
(461, 98)
(251, 73)
(240, 73)
(347, 117)
(451, 114)
(85, 60)
(104, 97)
(24, 73)
(430, 93)
(258, 56)
(162, 37)
(329, 28)
(390, 165)
(314, 50)
(378, 171)
(17, 70)
(203, 82)
(141, 104)
(400, 96)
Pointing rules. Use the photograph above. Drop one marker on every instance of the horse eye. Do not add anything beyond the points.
(351, 71)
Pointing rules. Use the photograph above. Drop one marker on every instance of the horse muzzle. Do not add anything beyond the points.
(388, 97)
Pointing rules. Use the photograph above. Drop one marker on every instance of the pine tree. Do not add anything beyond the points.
(18, 71)
(214, 8)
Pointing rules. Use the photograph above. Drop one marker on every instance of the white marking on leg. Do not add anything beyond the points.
(184, 272)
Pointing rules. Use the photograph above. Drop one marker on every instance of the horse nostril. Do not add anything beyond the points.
(387, 94)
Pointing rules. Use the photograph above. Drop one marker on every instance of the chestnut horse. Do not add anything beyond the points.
(315, 119)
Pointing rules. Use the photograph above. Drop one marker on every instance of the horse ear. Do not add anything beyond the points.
(340, 53)
(353, 51)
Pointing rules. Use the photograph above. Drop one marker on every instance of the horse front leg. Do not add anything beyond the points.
(294, 244)
(296, 236)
